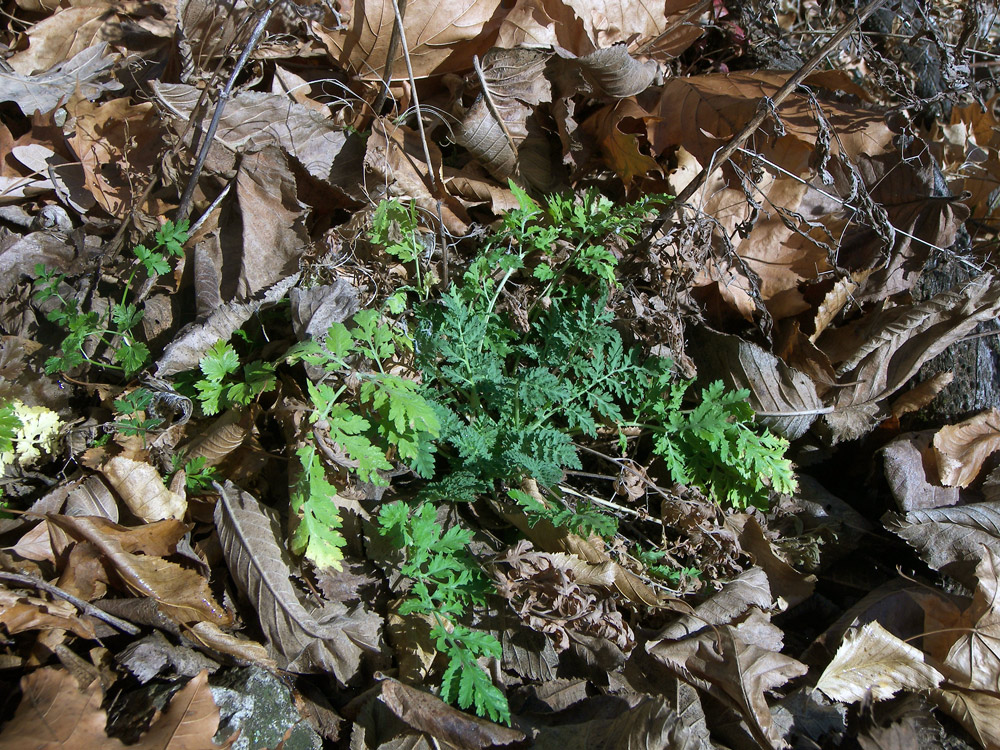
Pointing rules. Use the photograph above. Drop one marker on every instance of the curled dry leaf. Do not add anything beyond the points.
(920, 395)
(961, 449)
(42, 92)
(141, 488)
(429, 714)
(299, 639)
(22, 613)
(950, 540)
(718, 662)
(545, 589)
(873, 660)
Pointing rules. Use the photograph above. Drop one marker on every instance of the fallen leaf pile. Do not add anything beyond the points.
(806, 269)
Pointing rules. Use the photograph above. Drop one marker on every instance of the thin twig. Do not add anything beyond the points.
(390, 55)
(413, 93)
(765, 108)
(86, 607)
(185, 205)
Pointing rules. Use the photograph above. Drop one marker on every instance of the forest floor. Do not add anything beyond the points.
(542, 373)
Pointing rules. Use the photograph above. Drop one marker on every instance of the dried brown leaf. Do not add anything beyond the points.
(950, 540)
(119, 145)
(786, 397)
(22, 613)
(253, 120)
(329, 640)
(615, 127)
(961, 449)
(920, 395)
(703, 112)
(441, 38)
(890, 346)
(429, 714)
(191, 343)
(873, 660)
(906, 461)
(975, 655)
(395, 158)
(54, 713)
(749, 590)
(86, 73)
(835, 301)
(614, 72)
(189, 723)
(141, 487)
(181, 593)
(975, 710)
(737, 674)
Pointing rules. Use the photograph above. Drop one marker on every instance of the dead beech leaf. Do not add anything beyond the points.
(43, 91)
(906, 460)
(189, 722)
(977, 711)
(719, 663)
(950, 540)
(269, 230)
(141, 488)
(785, 396)
(395, 161)
(489, 140)
(299, 640)
(975, 654)
(749, 590)
(54, 714)
(614, 72)
(920, 395)
(22, 613)
(787, 585)
(904, 185)
(244, 651)
(440, 38)
(703, 112)
(179, 592)
(873, 660)
(158, 539)
(252, 120)
(961, 449)
(187, 348)
(836, 300)
(429, 714)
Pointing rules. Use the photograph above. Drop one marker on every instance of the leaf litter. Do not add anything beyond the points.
(220, 448)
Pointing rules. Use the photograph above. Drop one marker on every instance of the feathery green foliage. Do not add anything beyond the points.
(447, 581)
(116, 327)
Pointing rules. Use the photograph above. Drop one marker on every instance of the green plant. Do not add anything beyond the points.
(651, 559)
(132, 411)
(115, 328)
(446, 582)
(717, 447)
(370, 414)
(224, 385)
(198, 477)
